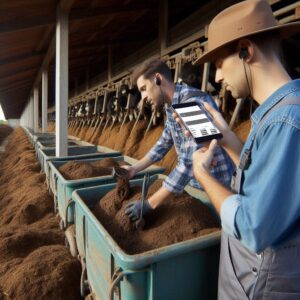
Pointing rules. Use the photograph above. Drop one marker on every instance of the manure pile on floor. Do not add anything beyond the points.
(34, 263)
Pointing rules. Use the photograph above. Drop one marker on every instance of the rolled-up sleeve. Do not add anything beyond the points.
(228, 212)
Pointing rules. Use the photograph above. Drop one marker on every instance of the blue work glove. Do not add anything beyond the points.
(133, 209)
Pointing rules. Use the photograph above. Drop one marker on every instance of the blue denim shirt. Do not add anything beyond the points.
(267, 211)
(185, 147)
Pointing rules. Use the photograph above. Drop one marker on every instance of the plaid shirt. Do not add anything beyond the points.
(182, 174)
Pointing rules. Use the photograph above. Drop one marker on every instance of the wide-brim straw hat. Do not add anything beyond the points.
(241, 20)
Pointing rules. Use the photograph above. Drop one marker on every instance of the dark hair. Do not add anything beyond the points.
(148, 69)
(267, 42)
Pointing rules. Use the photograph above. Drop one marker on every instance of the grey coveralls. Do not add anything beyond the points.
(270, 275)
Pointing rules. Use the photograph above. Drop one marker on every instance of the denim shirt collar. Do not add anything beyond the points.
(279, 94)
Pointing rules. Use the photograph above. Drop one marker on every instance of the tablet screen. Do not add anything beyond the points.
(196, 121)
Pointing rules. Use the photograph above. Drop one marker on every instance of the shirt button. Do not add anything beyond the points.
(254, 271)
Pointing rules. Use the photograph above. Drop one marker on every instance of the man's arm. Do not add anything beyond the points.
(142, 164)
(157, 198)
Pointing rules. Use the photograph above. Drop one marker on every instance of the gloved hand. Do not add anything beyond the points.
(133, 209)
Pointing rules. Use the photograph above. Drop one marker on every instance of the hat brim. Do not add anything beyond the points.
(285, 31)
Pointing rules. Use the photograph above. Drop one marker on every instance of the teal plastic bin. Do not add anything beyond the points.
(40, 136)
(45, 155)
(33, 137)
(50, 177)
(62, 188)
(50, 143)
(186, 270)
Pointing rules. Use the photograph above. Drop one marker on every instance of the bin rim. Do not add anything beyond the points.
(47, 156)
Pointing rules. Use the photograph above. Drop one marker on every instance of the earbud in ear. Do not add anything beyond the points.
(157, 80)
(243, 53)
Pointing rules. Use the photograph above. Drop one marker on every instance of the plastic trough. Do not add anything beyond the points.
(45, 155)
(50, 144)
(100, 154)
(186, 270)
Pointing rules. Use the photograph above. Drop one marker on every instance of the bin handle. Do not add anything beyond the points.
(55, 184)
(71, 201)
(118, 276)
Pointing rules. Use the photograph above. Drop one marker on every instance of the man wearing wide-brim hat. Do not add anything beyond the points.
(260, 250)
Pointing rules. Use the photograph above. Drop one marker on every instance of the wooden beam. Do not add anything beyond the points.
(118, 41)
(297, 12)
(11, 72)
(18, 58)
(27, 23)
(25, 73)
(109, 63)
(47, 33)
(16, 86)
(79, 13)
(163, 25)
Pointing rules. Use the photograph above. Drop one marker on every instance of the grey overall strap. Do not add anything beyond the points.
(245, 161)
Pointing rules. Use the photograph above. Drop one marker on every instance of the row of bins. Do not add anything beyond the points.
(62, 188)
(185, 270)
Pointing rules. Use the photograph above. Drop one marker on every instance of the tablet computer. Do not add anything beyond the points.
(197, 121)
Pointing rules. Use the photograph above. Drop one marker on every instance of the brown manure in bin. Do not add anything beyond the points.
(179, 218)
(74, 170)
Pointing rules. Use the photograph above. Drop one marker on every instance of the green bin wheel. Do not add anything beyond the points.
(70, 241)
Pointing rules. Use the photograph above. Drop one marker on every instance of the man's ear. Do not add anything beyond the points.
(245, 50)
(157, 79)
